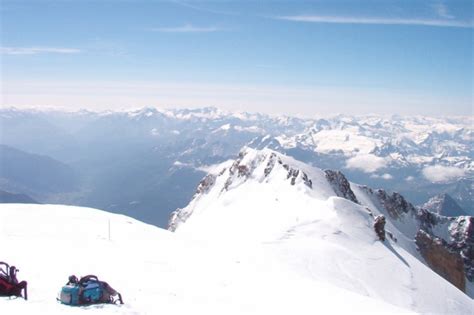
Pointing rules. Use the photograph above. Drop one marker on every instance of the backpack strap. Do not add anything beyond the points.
(88, 278)
(4, 269)
(13, 272)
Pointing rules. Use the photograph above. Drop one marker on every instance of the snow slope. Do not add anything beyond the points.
(159, 272)
(289, 211)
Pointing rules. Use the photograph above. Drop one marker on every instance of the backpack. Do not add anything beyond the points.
(9, 285)
(70, 294)
(93, 291)
(88, 290)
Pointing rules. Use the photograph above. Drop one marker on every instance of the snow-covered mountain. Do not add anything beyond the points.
(322, 224)
(147, 162)
(444, 205)
(262, 234)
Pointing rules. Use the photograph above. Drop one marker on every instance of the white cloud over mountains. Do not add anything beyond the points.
(385, 176)
(367, 163)
(440, 174)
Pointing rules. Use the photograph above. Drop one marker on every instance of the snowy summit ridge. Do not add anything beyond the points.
(265, 197)
(257, 166)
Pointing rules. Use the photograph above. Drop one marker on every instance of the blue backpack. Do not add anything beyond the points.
(70, 294)
(92, 291)
(88, 290)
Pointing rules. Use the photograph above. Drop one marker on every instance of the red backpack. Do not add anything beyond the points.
(9, 285)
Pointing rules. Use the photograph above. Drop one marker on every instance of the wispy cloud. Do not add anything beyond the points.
(442, 11)
(376, 20)
(204, 9)
(188, 28)
(37, 50)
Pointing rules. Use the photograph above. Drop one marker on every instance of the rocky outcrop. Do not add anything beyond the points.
(240, 171)
(394, 203)
(270, 164)
(340, 185)
(176, 218)
(427, 220)
(308, 182)
(379, 227)
(458, 235)
(443, 241)
(293, 174)
(445, 262)
(179, 215)
(461, 231)
(206, 184)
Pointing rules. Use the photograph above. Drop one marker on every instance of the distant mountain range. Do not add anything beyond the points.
(146, 162)
(6, 197)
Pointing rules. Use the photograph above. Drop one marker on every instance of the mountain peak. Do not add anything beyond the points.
(445, 205)
(276, 171)
(143, 112)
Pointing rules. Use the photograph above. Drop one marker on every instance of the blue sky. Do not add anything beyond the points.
(292, 57)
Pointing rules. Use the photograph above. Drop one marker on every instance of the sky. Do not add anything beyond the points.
(280, 57)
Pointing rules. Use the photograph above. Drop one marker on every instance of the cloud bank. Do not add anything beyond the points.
(441, 174)
(367, 163)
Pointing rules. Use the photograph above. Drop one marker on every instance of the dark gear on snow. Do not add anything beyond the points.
(88, 290)
(9, 284)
